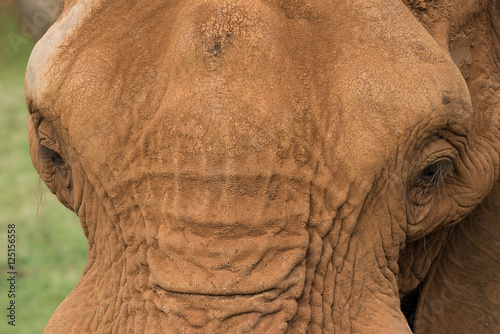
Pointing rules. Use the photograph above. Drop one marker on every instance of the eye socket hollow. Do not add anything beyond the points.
(435, 173)
(51, 156)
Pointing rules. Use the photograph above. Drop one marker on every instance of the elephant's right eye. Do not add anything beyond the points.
(52, 157)
(50, 150)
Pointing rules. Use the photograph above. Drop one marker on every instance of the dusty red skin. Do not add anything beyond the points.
(273, 166)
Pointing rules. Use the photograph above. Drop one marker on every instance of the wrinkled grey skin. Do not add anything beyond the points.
(275, 166)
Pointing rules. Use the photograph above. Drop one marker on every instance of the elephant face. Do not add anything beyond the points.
(272, 166)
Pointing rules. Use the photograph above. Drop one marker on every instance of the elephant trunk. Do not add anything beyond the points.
(194, 253)
(259, 270)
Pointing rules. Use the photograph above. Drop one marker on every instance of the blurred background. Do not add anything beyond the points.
(51, 249)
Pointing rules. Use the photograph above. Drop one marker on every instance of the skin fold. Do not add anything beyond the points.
(274, 166)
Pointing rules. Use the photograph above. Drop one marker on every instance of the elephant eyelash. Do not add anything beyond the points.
(50, 151)
(435, 174)
(51, 156)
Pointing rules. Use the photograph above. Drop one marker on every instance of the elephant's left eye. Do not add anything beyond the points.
(435, 168)
(435, 173)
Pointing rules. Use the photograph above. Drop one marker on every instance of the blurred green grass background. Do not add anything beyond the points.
(50, 246)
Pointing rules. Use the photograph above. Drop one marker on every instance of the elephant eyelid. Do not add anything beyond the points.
(32, 109)
(50, 150)
(50, 144)
(47, 136)
(52, 156)
(435, 173)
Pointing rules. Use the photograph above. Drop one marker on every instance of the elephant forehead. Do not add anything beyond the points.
(231, 85)
(208, 81)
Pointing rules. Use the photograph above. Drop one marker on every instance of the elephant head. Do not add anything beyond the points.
(275, 166)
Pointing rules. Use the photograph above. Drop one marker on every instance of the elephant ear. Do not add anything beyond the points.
(494, 11)
(461, 294)
(461, 291)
